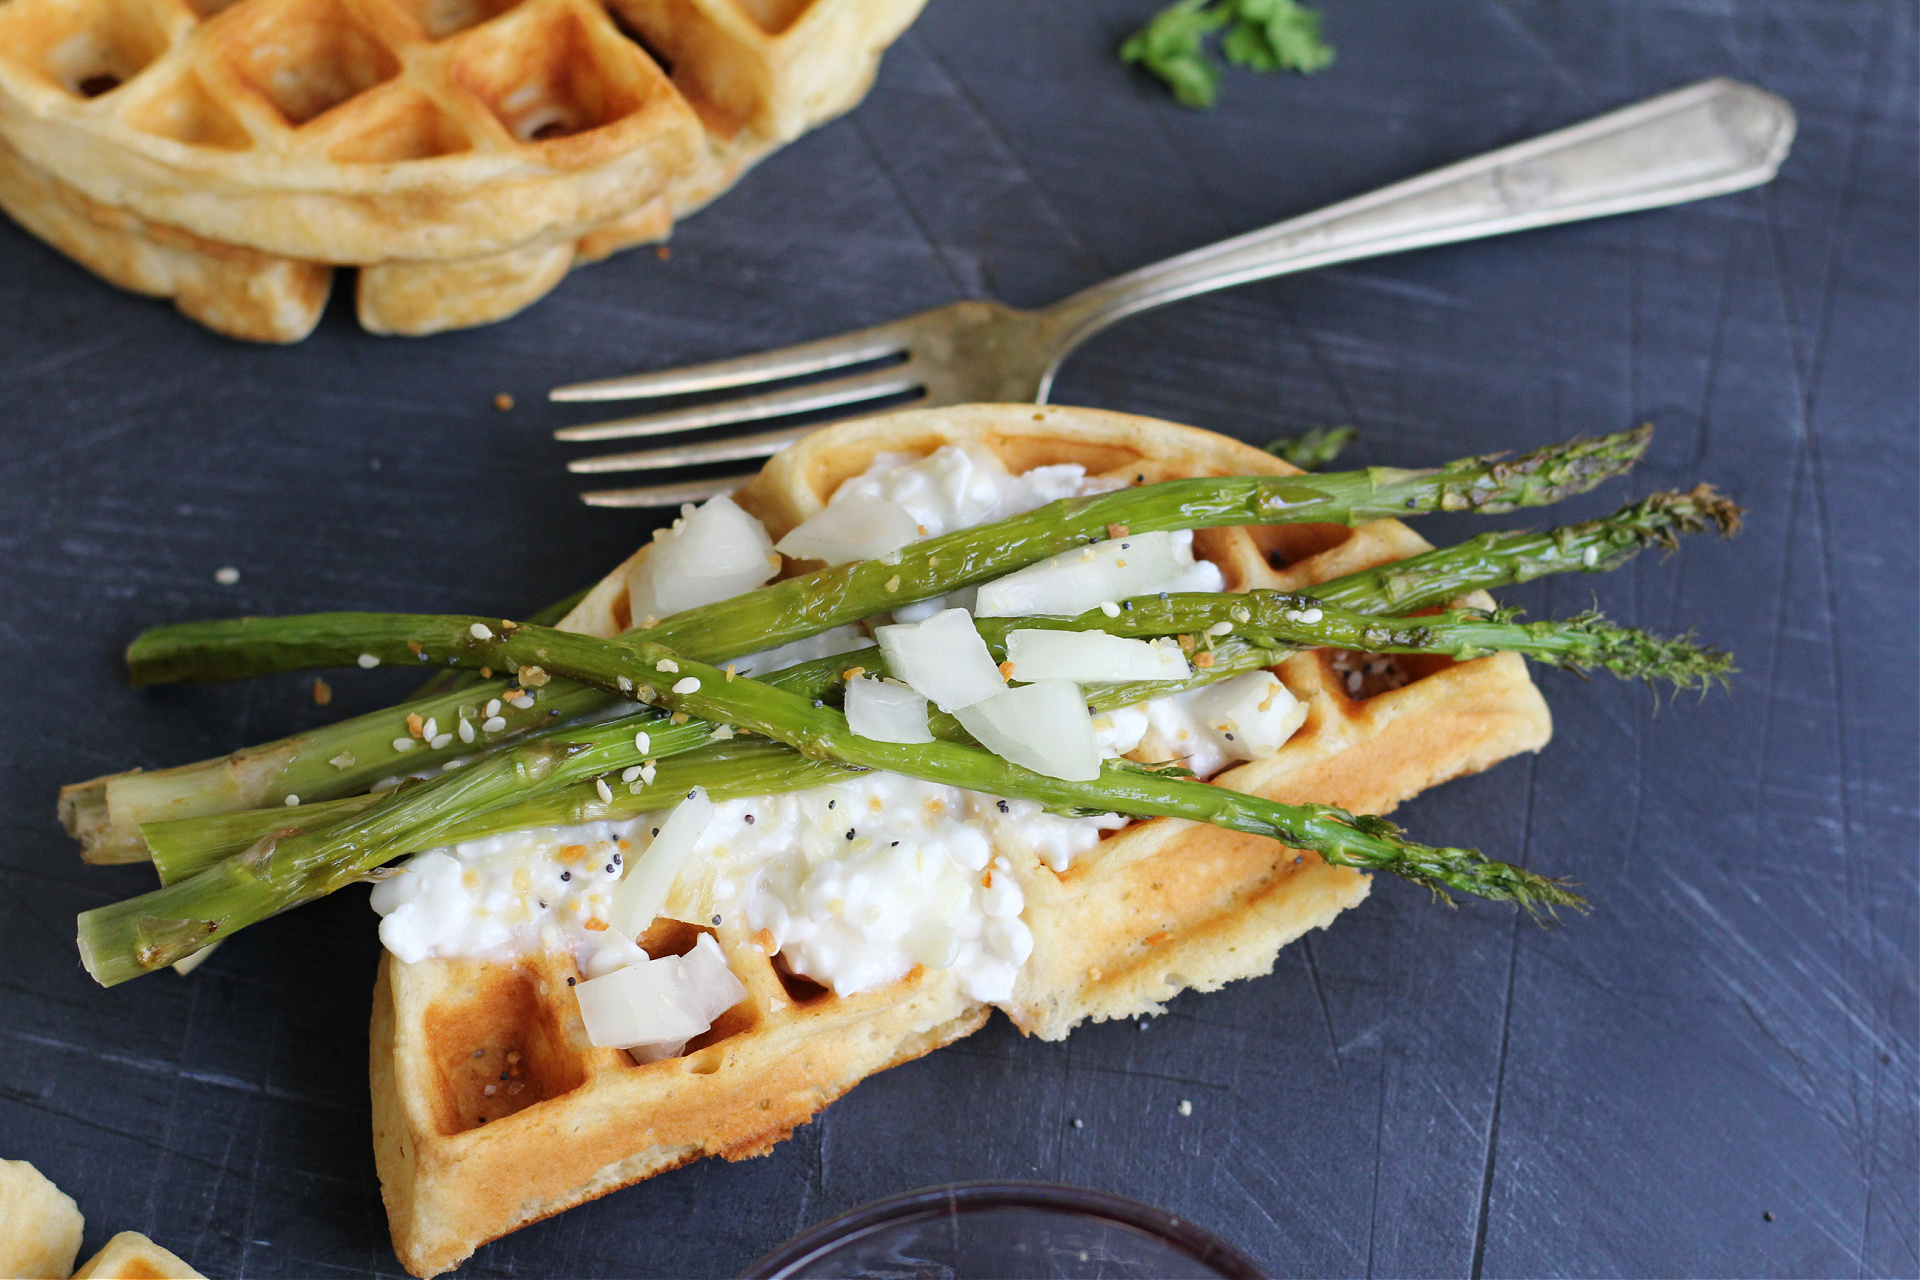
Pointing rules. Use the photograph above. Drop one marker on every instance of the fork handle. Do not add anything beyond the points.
(1707, 139)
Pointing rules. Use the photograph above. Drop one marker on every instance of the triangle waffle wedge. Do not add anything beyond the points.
(1156, 907)
(465, 153)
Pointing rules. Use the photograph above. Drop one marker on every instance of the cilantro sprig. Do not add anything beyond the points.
(1261, 35)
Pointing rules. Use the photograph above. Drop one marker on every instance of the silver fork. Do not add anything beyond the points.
(1704, 140)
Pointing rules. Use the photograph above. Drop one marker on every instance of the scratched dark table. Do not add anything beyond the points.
(1714, 1073)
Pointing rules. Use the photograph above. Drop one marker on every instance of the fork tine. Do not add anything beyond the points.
(666, 495)
(762, 444)
(814, 395)
(766, 366)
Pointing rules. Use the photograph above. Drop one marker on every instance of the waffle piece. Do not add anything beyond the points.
(40, 1224)
(131, 1256)
(1155, 908)
(505, 139)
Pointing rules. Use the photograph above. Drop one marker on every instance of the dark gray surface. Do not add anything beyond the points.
(1731, 1033)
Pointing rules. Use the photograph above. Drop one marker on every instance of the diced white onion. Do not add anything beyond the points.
(1043, 726)
(650, 873)
(1075, 581)
(1256, 709)
(654, 1007)
(943, 658)
(886, 712)
(713, 553)
(852, 527)
(1092, 655)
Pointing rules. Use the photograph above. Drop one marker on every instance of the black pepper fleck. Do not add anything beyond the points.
(609, 868)
(566, 875)
(503, 1075)
(1229, 737)
(569, 981)
(832, 803)
(1004, 806)
(656, 831)
(849, 833)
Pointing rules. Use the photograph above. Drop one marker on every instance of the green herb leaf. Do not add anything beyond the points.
(1276, 35)
(1264, 35)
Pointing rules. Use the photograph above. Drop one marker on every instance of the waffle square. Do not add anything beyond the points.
(1155, 908)
(468, 151)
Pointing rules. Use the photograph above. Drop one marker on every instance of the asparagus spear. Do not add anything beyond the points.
(125, 939)
(1420, 581)
(131, 937)
(814, 602)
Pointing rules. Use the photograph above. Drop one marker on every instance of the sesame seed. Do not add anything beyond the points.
(716, 920)
(646, 772)
(1220, 628)
(1078, 1123)
(430, 729)
(1185, 1108)
(629, 774)
(521, 700)
(565, 876)
(493, 707)
(480, 631)
(1590, 557)
(1311, 615)
(832, 803)
(494, 724)
(367, 661)
(441, 741)
(626, 685)
(606, 792)
(609, 868)
(1109, 608)
(642, 743)
(687, 684)
(849, 833)
(404, 744)
(466, 731)
(293, 802)
(668, 665)
(226, 576)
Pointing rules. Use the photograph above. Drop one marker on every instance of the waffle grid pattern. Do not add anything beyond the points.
(1156, 908)
(474, 147)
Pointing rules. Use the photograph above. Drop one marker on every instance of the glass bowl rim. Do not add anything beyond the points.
(1202, 1245)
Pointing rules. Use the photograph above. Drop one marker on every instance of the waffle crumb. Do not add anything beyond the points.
(503, 402)
(322, 692)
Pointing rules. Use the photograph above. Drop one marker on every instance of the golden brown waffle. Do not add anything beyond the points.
(468, 151)
(1156, 908)
(131, 1256)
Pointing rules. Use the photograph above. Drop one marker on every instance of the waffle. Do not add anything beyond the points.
(1156, 908)
(467, 152)
(40, 1225)
(131, 1256)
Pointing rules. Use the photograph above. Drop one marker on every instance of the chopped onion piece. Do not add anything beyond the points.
(655, 1006)
(1092, 655)
(856, 526)
(639, 1004)
(708, 982)
(642, 892)
(714, 552)
(886, 712)
(943, 658)
(1254, 713)
(1075, 581)
(1044, 727)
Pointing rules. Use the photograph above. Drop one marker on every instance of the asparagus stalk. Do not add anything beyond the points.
(125, 939)
(1421, 581)
(132, 937)
(815, 602)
